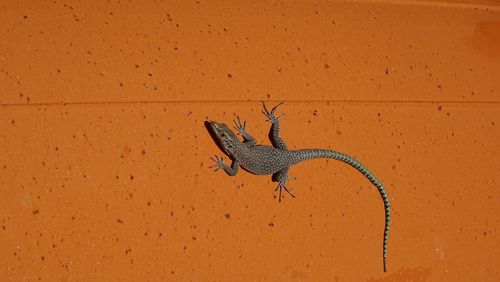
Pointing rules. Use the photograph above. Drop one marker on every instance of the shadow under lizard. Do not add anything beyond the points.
(277, 159)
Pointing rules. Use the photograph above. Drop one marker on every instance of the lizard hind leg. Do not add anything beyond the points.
(270, 114)
(281, 186)
(281, 177)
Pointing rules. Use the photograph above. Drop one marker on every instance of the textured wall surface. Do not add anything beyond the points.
(104, 156)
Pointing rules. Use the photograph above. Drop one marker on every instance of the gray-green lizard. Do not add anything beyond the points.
(277, 159)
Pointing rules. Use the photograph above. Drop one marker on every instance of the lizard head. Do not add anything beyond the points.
(224, 136)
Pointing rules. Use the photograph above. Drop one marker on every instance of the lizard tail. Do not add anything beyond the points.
(308, 154)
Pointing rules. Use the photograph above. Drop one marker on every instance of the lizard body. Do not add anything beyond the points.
(277, 159)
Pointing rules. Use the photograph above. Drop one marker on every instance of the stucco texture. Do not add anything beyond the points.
(104, 156)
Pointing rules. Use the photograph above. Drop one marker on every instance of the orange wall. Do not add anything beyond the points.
(104, 157)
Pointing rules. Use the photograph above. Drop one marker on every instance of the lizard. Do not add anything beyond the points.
(277, 159)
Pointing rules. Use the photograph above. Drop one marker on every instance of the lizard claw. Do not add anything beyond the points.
(270, 114)
(239, 126)
(219, 163)
(281, 186)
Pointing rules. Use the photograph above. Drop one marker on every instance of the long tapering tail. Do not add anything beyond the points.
(306, 154)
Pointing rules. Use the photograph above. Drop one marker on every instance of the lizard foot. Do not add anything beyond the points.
(219, 163)
(281, 186)
(239, 126)
(270, 114)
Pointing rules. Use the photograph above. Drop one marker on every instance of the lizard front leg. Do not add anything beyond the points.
(281, 177)
(274, 134)
(219, 163)
(242, 130)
